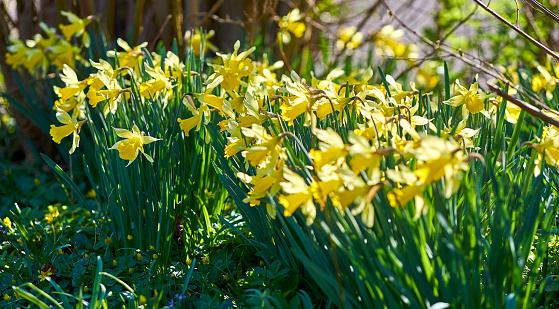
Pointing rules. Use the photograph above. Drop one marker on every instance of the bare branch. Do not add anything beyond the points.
(519, 31)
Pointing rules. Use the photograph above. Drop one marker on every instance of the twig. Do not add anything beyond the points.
(518, 30)
(463, 21)
(533, 24)
(451, 53)
(210, 12)
(538, 6)
(517, 14)
(152, 45)
(530, 109)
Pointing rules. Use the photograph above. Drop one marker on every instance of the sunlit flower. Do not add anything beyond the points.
(291, 23)
(70, 125)
(349, 38)
(7, 222)
(297, 194)
(133, 143)
(196, 38)
(76, 27)
(44, 274)
(473, 101)
(387, 43)
(234, 67)
(130, 57)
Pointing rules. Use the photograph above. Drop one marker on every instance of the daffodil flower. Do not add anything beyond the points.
(297, 194)
(468, 97)
(349, 38)
(235, 66)
(291, 23)
(76, 27)
(71, 125)
(196, 38)
(134, 142)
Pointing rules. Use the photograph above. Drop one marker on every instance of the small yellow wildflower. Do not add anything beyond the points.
(7, 297)
(108, 241)
(130, 270)
(134, 142)
(60, 251)
(36, 181)
(115, 263)
(44, 274)
(143, 300)
(140, 256)
(8, 222)
(155, 256)
(91, 194)
(129, 237)
(206, 259)
(85, 289)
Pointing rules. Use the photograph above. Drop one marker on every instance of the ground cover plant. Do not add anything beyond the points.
(257, 177)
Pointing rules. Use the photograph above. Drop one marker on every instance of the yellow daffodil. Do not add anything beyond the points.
(473, 101)
(150, 88)
(76, 27)
(131, 57)
(266, 144)
(70, 125)
(297, 103)
(546, 79)
(387, 43)
(234, 67)
(349, 38)
(132, 144)
(331, 148)
(291, 23)
(440, 158)
(297, 194)
(399, 197)
(196, 39)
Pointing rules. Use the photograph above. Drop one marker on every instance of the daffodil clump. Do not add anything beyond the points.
(36, 55)
(354, 128)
